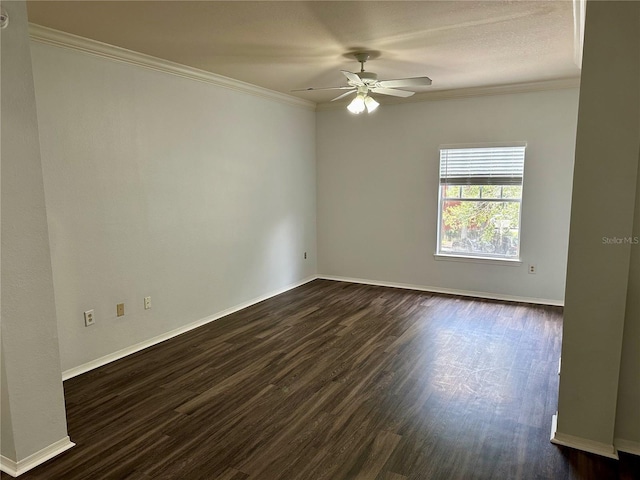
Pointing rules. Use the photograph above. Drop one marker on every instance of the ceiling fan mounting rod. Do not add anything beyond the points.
(361, 57)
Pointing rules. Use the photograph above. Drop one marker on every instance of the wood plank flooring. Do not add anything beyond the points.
(334, 381)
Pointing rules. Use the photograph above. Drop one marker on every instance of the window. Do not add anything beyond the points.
(480, 201)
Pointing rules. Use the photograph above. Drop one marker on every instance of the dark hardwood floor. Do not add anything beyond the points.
(334, 381)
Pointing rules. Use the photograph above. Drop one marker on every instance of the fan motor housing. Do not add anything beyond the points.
(368, 77)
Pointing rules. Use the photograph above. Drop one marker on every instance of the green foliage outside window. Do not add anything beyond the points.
(473, 224)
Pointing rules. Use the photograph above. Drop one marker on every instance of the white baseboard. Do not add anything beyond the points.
(14, 468)
(448, 291)
(627, 446)
(584, 444)
(75, 371)
(86, 367)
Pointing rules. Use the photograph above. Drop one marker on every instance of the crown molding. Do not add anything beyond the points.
(49, 36)
(541, 86)
(57, 38)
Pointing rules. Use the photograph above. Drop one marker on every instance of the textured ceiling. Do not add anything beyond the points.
(288, 45)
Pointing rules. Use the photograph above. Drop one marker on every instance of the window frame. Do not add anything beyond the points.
(479, 257)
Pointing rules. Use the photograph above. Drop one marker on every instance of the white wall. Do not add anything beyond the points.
(627, 428)
(596, 320)
(198, 196)
(32, 399)
(378, 190)
(7, 445)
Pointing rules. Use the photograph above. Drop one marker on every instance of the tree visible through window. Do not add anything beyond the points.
(480, 201)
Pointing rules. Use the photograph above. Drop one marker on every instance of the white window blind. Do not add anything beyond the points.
(482, 166)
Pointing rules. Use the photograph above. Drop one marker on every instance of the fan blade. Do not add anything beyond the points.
(405, 82)
(392, 92)
(344, 95)
(353, 78)
(311, 89)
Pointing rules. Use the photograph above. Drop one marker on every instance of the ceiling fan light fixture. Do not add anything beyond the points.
(363, 83)
(371, 104)
(357, 105)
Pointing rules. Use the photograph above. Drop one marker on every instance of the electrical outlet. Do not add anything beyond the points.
(120, 309)
(532, 268)
(305, 255)
(88, 318)
(147, 303)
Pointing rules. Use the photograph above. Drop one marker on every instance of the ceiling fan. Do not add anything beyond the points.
(363, 83)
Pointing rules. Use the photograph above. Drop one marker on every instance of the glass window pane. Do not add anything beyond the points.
(506, 228)
(451, 226)
(471, 191)
(481, 215)
(491, 191)
(452, 191)
(512, 191)
(480, 228)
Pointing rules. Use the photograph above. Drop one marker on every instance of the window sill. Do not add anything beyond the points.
(509, 262)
